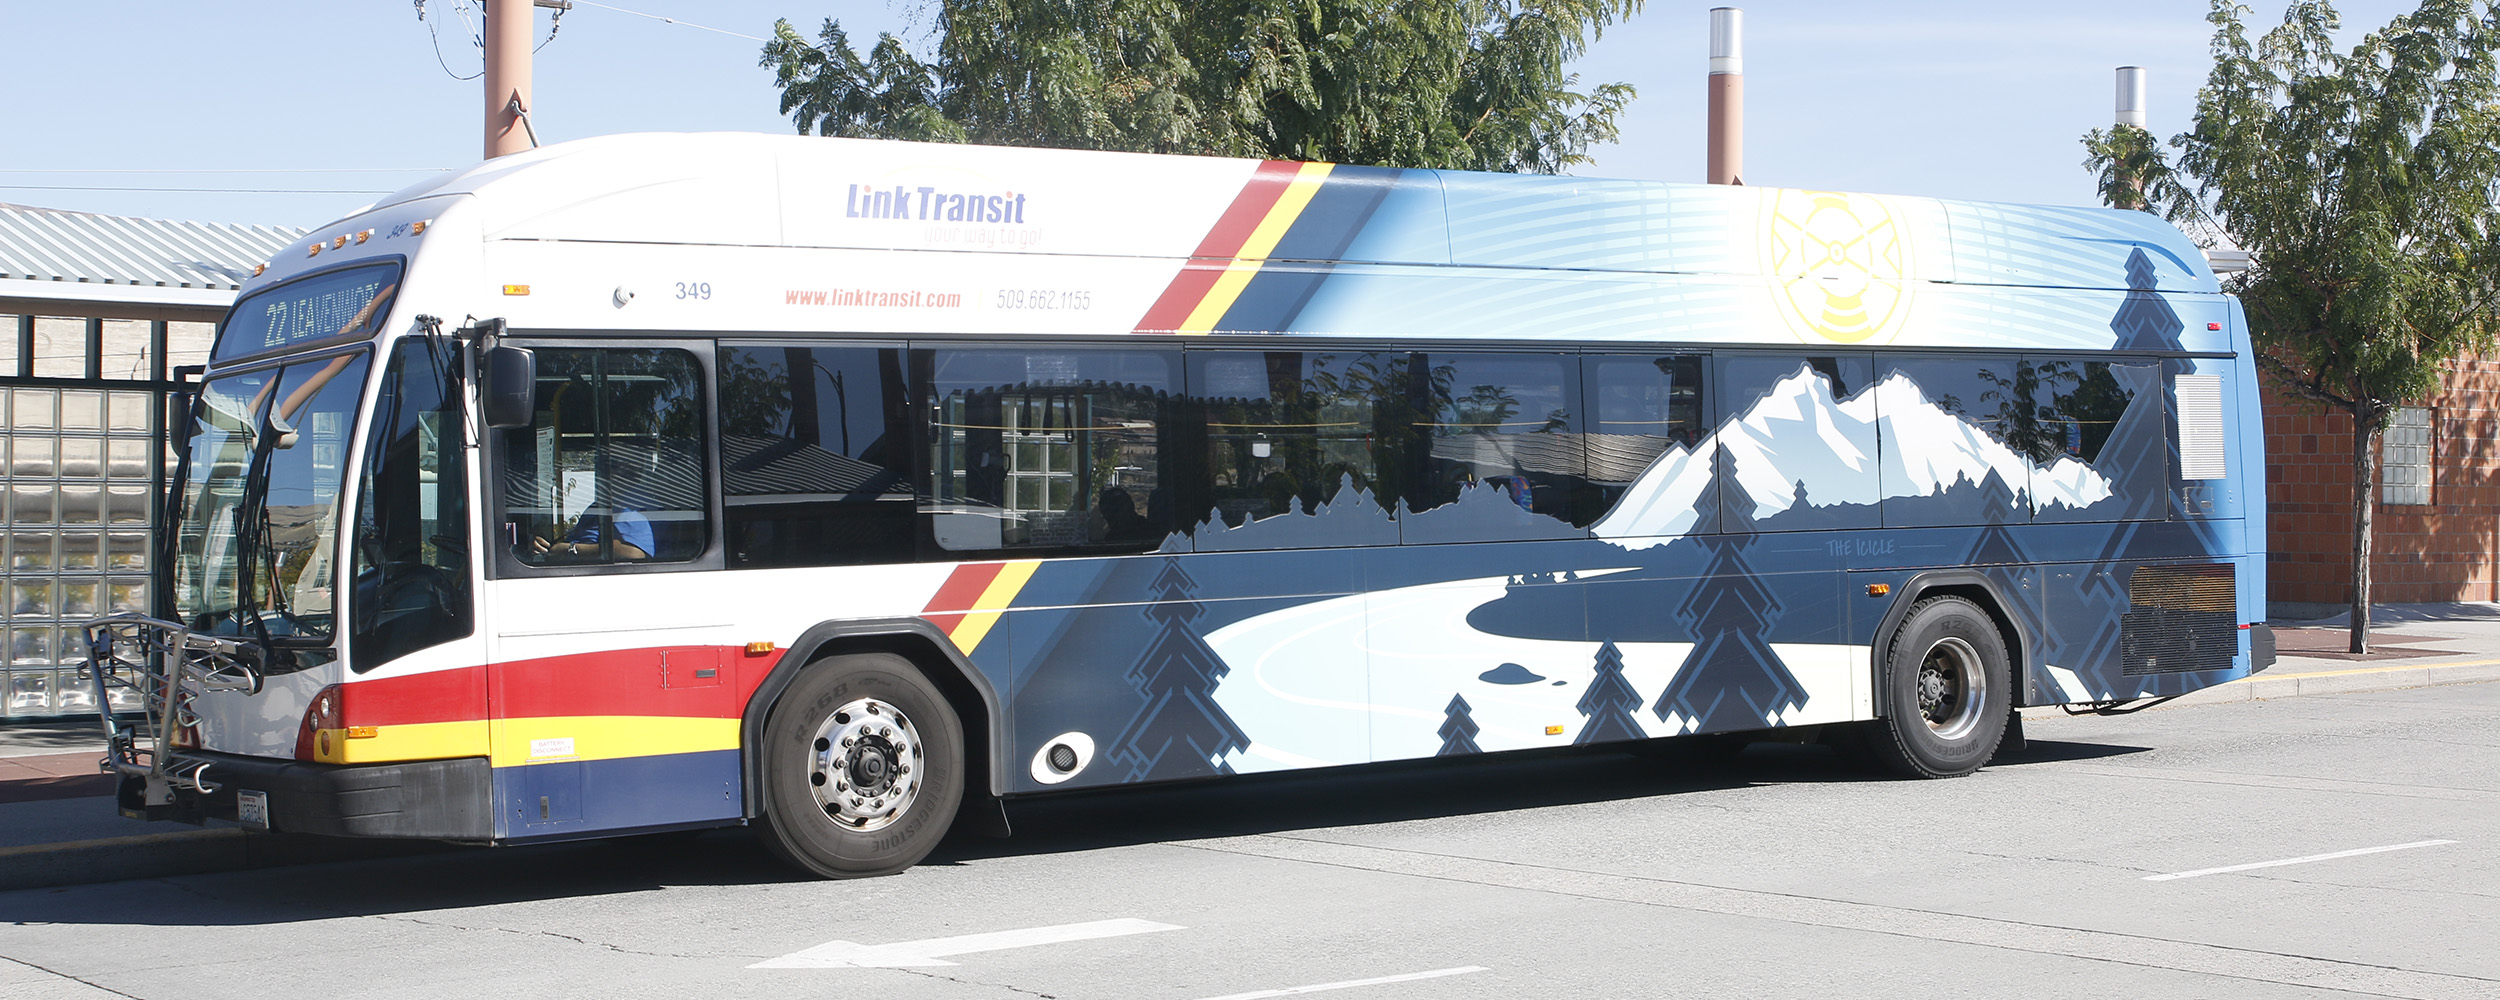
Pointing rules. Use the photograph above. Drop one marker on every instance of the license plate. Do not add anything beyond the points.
(251, 809)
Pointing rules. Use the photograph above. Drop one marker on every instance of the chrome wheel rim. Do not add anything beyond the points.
(1952, 686)
(866, 764)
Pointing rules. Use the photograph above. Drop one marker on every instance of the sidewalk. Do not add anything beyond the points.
(58, 825)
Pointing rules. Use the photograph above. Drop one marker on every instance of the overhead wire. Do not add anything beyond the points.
(672, 20)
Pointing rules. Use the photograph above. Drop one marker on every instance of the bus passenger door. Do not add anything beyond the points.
(614, 686)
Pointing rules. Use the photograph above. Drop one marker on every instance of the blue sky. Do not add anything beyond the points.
(1980, 100)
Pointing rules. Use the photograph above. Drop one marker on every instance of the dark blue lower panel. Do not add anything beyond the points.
(574, 798)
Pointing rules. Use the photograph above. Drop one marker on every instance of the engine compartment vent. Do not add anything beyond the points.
(2180, 618)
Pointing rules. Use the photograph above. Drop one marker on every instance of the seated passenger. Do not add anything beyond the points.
(632, 530)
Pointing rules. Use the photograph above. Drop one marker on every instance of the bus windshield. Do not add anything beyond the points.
(259, 499)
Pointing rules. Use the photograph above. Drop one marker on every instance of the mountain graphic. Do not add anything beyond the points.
(1798, 439)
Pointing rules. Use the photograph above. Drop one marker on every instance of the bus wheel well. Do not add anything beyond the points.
(2016, 649)
(962, 695)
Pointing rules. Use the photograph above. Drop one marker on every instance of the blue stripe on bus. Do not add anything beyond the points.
(568, 798)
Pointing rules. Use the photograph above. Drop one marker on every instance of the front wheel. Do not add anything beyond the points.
(1948, 680)
(863, 766)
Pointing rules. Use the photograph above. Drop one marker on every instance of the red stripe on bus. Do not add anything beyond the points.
(609, 682)
(963, 588)
(1267, 184)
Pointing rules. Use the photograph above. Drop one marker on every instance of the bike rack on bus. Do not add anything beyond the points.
(169, 666)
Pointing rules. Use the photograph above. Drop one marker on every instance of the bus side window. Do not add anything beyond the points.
(611, 469)
(1500, 425)
(2107, 415)
(1818, 466)
(815, 456)
(1639, 407)
(1290, 431)
(1048, 448)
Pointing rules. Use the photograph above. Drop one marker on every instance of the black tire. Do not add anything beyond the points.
(826, 802)
(1948, 682)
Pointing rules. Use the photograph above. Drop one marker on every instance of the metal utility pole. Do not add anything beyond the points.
(508, 24)
(1727, 96)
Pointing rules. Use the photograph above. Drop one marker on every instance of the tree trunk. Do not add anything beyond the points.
(2365, 424)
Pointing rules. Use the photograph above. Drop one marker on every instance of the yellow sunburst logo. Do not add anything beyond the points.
(1839, 265)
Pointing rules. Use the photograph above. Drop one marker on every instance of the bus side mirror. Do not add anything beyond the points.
(509, 389)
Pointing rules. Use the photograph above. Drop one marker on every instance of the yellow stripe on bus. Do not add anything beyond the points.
(556, 739)
(984, 614)
(411, 741)
(1262, 241)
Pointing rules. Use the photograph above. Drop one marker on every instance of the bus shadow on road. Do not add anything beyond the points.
(432, 879)
(1389, 793)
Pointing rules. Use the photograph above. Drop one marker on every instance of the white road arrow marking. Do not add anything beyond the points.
(2297, 861)
(912, 954)
(1351, 983)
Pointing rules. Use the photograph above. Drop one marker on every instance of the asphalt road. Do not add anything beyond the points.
(1780, 872)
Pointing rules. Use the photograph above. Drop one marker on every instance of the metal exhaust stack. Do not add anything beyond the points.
(1727, 96)
(2131, 96)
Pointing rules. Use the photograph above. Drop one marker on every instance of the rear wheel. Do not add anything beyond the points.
(1948, 679)
(863, 767)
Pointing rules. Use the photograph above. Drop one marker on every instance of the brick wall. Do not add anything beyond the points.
(2443, 551)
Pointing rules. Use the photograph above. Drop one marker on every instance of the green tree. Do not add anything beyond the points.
(2363, 184)
(1466, 84)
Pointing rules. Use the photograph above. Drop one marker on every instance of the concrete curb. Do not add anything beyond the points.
(2356, 680)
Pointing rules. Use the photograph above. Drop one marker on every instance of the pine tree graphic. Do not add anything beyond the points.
(2145, 322)
(1458, 731)
(1609, 702)
(1731, 680)
(1180, 731)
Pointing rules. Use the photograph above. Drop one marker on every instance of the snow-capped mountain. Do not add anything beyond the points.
(1798, 434)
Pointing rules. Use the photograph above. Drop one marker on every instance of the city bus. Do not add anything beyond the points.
(844, 488)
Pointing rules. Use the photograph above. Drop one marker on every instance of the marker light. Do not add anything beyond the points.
(1553, 730)
(313, 740)
(1878, 589)
(759, 648)
(2213, 326)
(339, 244)
(313, 250)
(362, 732)
(516, 289)
(363, 236)
(418, 228)
(259, 269)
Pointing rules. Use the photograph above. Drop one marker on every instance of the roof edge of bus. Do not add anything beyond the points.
(760, 189)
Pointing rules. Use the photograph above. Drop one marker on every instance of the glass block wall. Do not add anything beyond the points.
(78, 415)
(79, 501)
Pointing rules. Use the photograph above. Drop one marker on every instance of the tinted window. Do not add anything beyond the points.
(1500, 426)
(611, 469)
(412, 513)
(2102, 415)
(1048, 448)
(1639, 407)
(1800, 432)
(1288, 432)
(815, 456)
(1959, 439)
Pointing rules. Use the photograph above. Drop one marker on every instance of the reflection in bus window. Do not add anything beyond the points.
(1640, 406)
(815, 456)
(412, 514)
(610, 469)
(1288, 430)
(1504, 423)
(1048, 448)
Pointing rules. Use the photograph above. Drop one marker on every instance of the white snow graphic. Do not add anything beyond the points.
(1798, 434)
